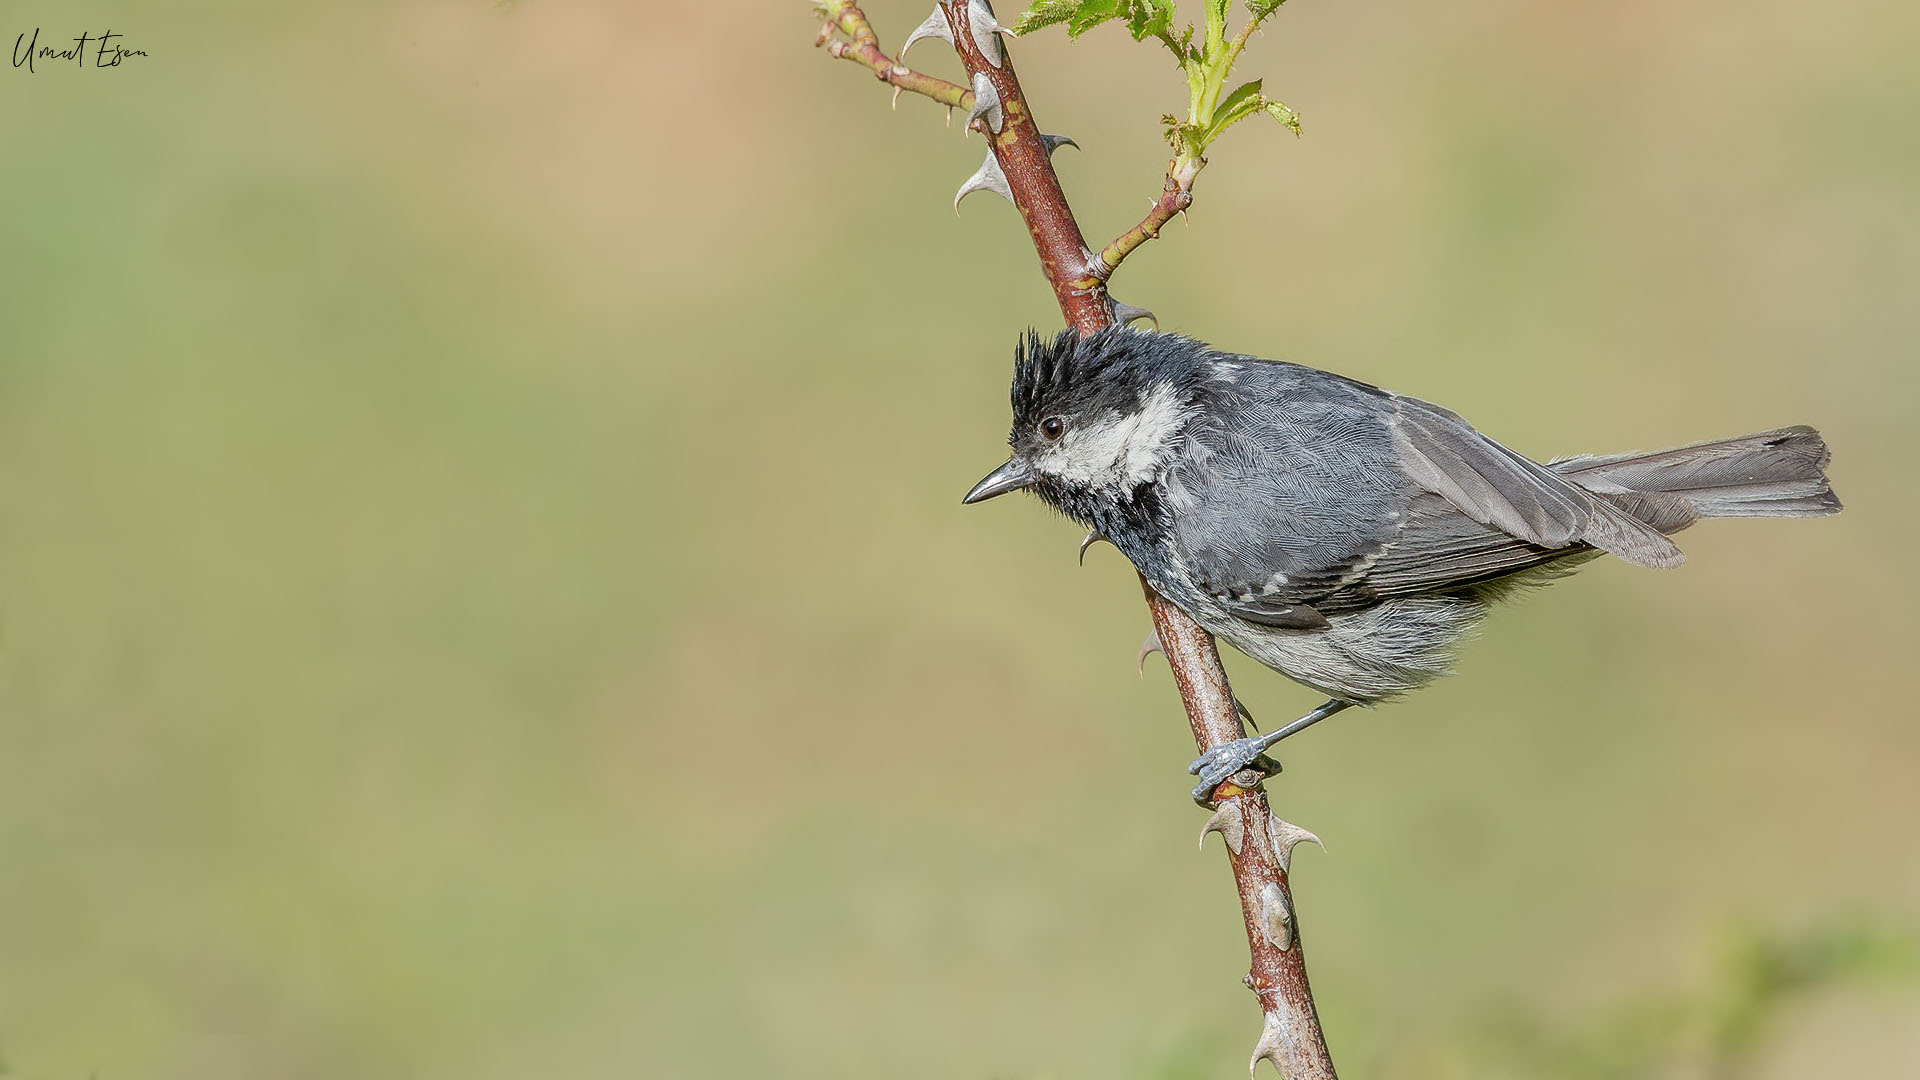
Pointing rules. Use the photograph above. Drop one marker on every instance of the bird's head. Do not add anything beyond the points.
(1095, 417)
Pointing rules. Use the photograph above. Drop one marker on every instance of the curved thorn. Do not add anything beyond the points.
(1055, 142)
(1246, 714)
(896, 96)
(1227, 822)
(1126, 313)
(986, 102)
(935, 26)
(1148, 648)
(987, 177)
(1284, 835)
(1271, 1047)
(1093, 537)
(982, 25)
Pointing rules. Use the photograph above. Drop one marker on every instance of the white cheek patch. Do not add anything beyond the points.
(1120, 448)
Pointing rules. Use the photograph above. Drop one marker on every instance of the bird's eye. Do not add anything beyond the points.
(1052, 428)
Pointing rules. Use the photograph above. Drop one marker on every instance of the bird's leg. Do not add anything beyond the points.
(1220, 763)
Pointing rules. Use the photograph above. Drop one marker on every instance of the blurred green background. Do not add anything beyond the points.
(483, 589)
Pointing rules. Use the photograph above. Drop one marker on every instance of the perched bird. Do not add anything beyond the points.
(1341, 534)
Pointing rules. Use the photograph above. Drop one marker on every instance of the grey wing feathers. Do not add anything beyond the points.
(1292, 488)
(1440, 548)
(1497, 487)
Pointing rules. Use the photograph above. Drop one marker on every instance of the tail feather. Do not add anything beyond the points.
(1778, 473)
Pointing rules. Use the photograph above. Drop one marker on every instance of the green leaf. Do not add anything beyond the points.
(1285, 115)
(1079, 15)
(1150, 18)
(1092, 13)
(1046, 13)
(1243, 100)
(1263, 8)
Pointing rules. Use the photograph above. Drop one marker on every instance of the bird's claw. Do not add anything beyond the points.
(1220, 763)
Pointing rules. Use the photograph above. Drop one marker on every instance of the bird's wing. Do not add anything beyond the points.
(1497, 487)
(1289, 489)
(1440, 549)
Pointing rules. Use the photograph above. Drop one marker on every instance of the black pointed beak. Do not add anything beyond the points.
(1012, 476)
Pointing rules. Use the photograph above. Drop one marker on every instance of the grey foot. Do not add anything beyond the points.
(1219, 764)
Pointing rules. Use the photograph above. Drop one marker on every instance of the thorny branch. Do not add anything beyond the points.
(1018, 167)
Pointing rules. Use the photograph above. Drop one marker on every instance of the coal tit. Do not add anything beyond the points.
(1343, 535)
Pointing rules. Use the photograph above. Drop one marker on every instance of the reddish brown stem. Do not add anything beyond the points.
(1079, 285)
(1291, 1037)
(1257, 843)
